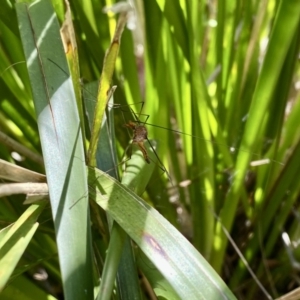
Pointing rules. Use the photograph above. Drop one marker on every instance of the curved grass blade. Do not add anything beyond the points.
(161, 287)
(178, 261)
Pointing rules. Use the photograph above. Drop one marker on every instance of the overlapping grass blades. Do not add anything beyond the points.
(204, 71)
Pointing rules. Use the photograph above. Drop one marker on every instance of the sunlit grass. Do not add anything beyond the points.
(224, 74)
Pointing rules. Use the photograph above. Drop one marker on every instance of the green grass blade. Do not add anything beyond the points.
(288, 14)
(104, 87)
(136, 177)
(15, 239)
(170, 252)
(62, 144)
(23, 288)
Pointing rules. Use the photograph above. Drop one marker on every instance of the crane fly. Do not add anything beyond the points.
(140, 134)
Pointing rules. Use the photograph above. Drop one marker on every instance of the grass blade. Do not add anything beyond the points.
(62, 144)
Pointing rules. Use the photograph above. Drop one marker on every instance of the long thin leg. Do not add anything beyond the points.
(162, 167)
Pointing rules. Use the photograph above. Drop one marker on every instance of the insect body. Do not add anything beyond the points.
(139, 136)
